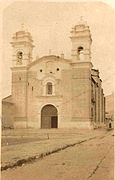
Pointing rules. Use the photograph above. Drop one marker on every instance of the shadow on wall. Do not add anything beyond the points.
(7, 115)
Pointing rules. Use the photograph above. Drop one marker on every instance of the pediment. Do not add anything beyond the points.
(51, 58)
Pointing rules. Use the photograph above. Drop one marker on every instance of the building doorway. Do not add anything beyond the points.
(49, 117)
(54, 122)
(110, 125)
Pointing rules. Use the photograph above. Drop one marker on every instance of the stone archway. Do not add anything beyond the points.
(49, 117)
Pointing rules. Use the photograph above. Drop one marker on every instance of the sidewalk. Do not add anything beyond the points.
(21, 153)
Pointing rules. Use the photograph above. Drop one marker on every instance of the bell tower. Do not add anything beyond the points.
(81, 74)
(81, 43)
(22, 44)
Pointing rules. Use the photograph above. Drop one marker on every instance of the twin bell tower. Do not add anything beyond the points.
(22, 44)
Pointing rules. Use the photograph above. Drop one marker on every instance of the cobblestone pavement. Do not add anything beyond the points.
(87, 156)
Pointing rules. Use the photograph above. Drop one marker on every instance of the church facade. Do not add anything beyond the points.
(51, 91)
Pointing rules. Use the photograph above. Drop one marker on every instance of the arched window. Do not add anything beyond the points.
(80, 53)
(49, 88)
(80, 49)
(19, 57)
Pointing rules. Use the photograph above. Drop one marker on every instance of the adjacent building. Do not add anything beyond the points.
(52, 91)
(109, 109)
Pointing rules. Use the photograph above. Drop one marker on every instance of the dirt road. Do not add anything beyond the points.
(90, 160)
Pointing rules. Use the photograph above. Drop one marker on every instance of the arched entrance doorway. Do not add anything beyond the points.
(49, 117)
(110, 125)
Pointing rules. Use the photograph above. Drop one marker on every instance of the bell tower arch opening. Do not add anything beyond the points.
(80, 49)
(22, 45)
(80, 53)
(49, 117)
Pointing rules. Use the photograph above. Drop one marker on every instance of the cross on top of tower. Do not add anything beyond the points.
(22, 27)
(81, 21)
(81, 18)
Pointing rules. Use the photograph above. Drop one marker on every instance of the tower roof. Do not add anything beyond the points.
(81, 30)
(21, 37)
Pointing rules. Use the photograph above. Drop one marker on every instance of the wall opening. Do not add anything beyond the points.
(49, 117)
(80, 52)
(19, 57)
(49, 88)
(110, 126)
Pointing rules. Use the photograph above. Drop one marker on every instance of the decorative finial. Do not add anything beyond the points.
(81, 18)
(62, 55)
(81, 21)
(22, 26)
(50, 51)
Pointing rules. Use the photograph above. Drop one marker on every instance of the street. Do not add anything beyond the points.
(90, 160)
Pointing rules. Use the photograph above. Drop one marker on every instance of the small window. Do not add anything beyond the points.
(20, 78)
(50, 72)
(28, 83)
(49, 88)
(57, 69)
(40, 70)
(32, 88)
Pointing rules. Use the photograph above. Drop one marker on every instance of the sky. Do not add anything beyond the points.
(50, 24)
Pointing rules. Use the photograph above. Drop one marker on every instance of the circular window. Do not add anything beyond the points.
(57, 69)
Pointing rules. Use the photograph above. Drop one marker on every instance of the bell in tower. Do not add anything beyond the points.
(81, 42)
(22, 44)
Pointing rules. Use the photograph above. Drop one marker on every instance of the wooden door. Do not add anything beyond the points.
(54, 122)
